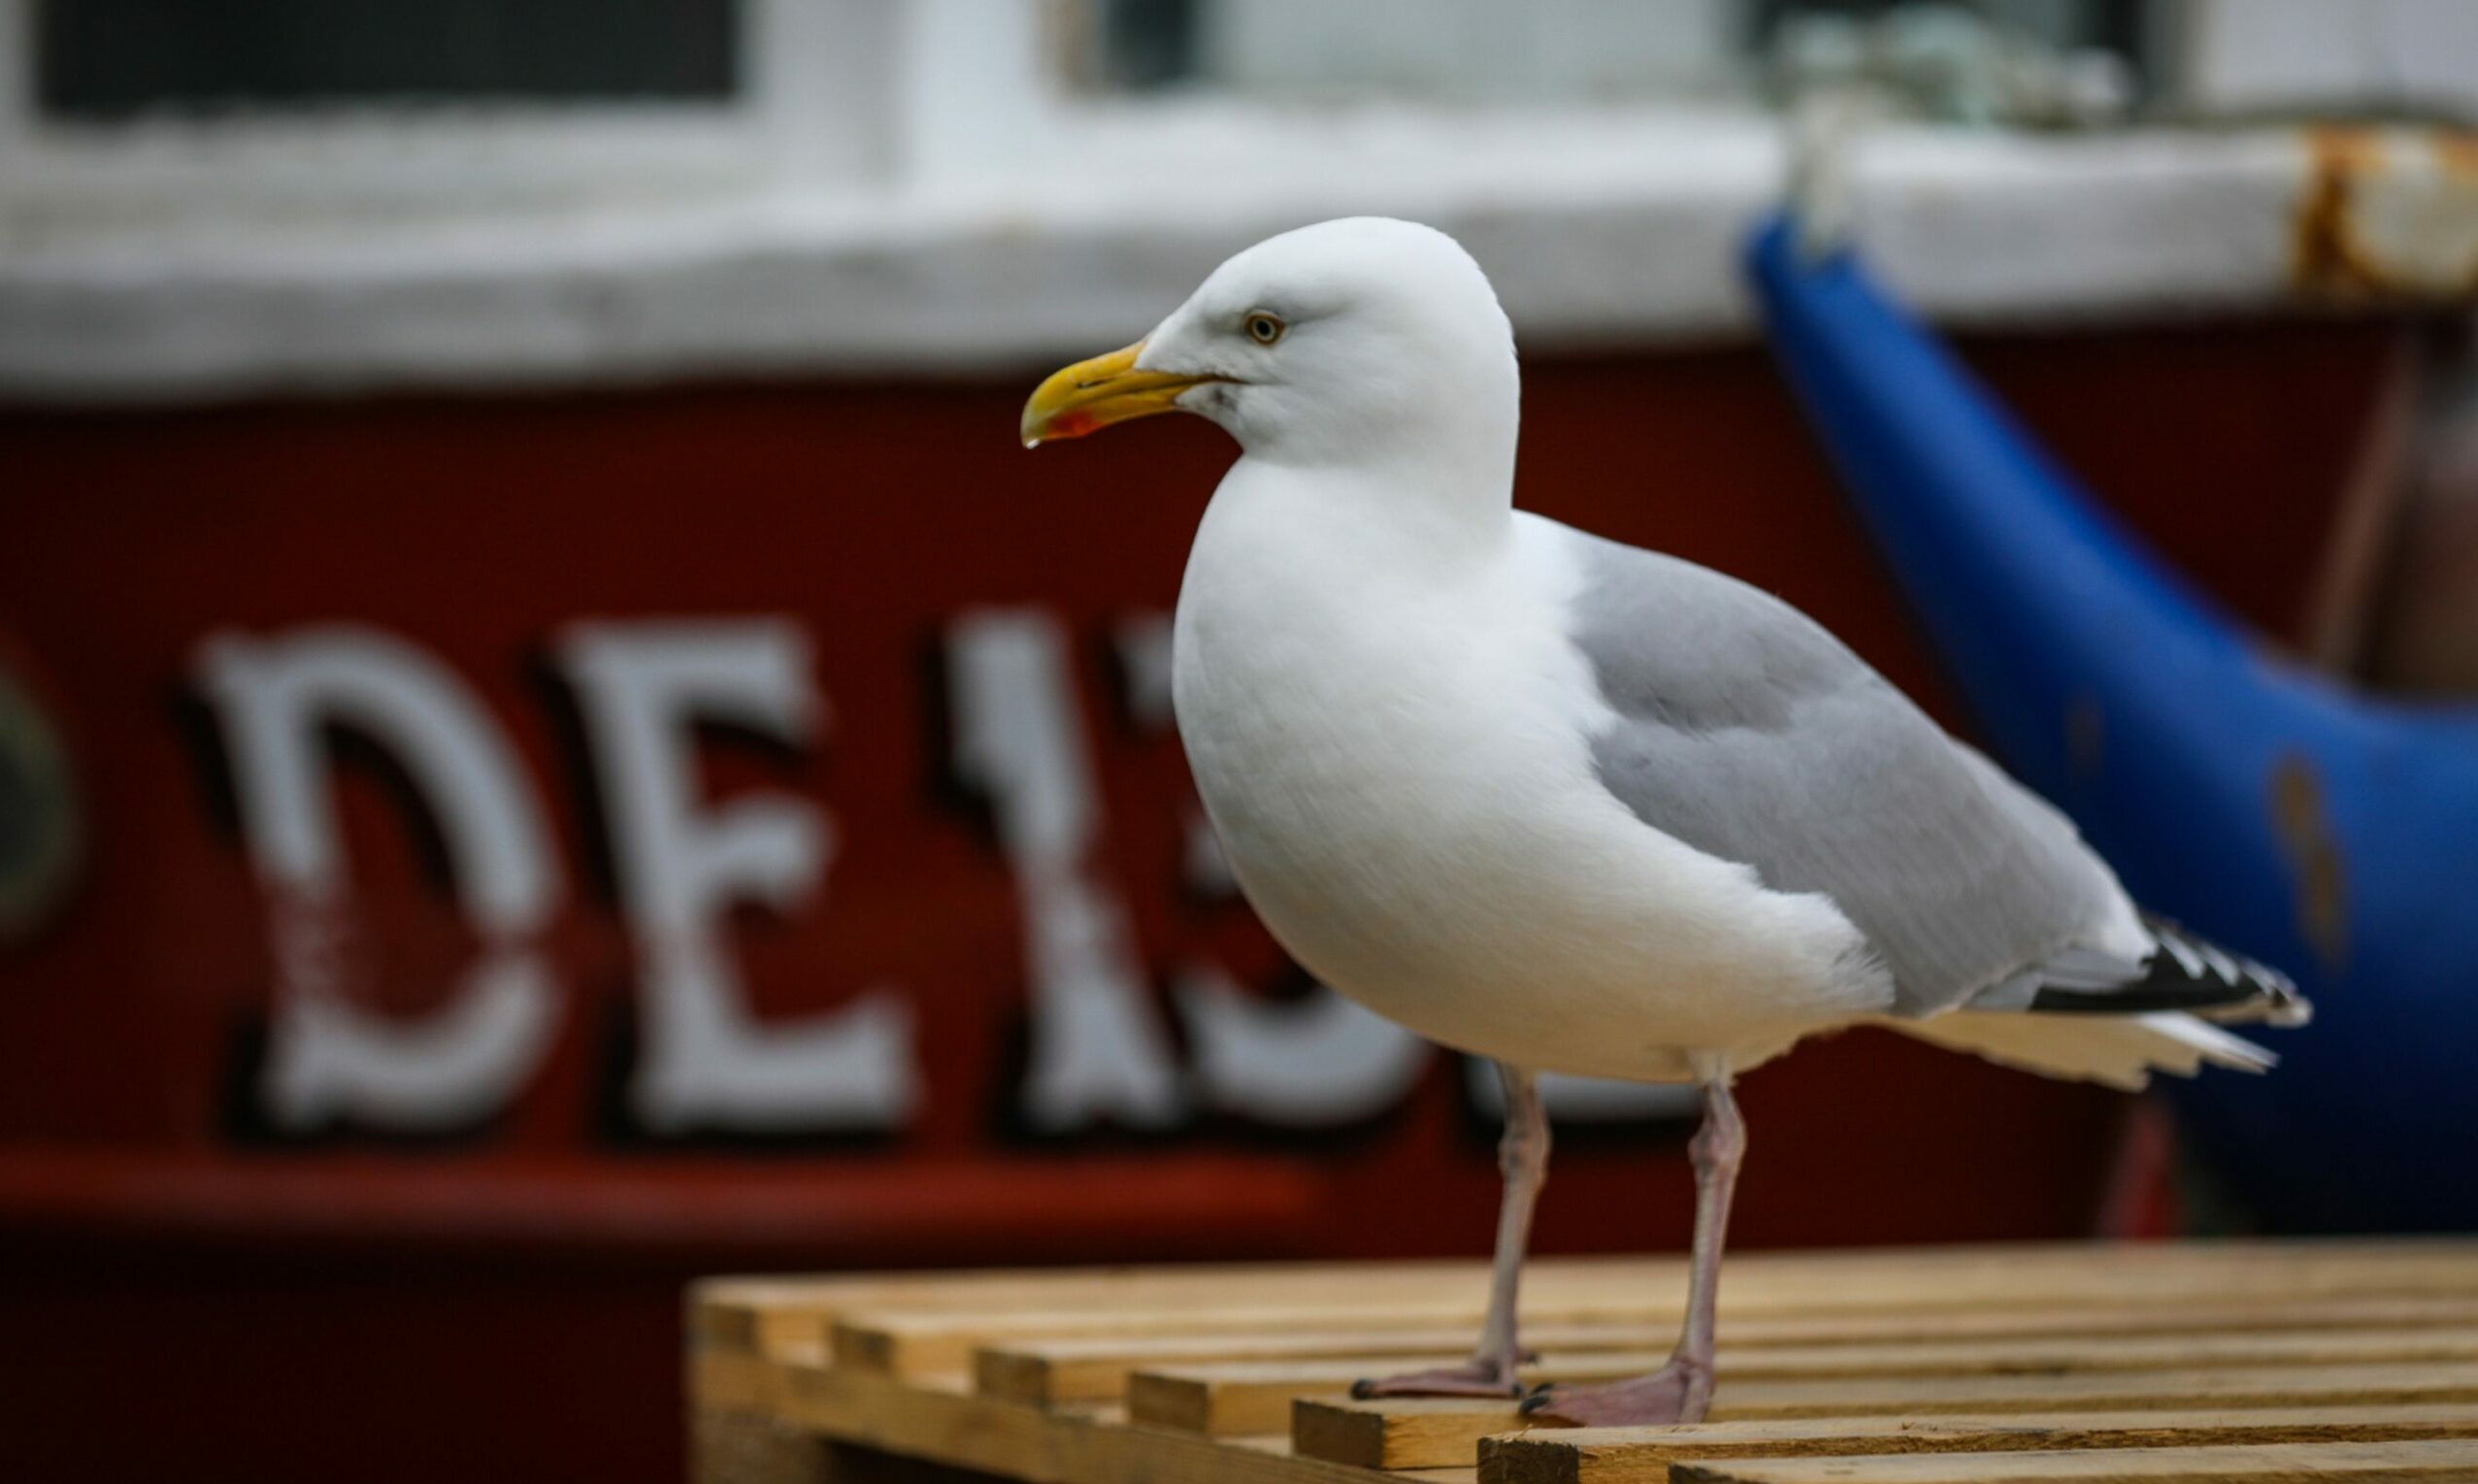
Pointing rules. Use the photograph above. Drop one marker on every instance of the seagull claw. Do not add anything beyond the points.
(1477, 1377)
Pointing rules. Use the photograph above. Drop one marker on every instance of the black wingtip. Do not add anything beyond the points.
(2187, 973)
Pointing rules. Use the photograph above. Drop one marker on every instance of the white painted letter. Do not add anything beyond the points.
(706, 1061)
(1097, 1049)
(328, 1056)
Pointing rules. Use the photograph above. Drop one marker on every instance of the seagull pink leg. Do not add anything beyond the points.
(1680, 1391)
(1522, 1155)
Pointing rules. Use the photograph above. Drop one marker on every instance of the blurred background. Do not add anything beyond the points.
(553, 742)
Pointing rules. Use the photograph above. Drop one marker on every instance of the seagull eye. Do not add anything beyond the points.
(1264, 328)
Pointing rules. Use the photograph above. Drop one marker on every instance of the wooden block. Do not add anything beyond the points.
(753, 1313)
(2389, 1463)
(939, 1423)
(1398, 1432)
(735, 1381)
(743, 1448)
(1644, 1454)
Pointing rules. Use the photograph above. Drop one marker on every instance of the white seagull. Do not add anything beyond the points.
(1575, 806)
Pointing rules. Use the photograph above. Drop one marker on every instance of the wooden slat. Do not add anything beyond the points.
(2129, 1391)
(2386, 1463)
(2153, 1352)
(1644, 1454)
(1414, 1434)
(1046, 1372)
(727, 1311)
(938, 1332)
(1764, 1280)
(2017, 1277)
(2094, 1319)
(918, 1345)
(938, 1344)
(1280, 1380)
(1256, 1396)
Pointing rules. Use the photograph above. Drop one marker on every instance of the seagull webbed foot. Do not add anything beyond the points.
(1478, 1376)
(1679, 1392)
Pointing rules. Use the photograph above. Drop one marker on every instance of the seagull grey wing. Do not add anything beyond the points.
(2180, 972)
(1748, 731)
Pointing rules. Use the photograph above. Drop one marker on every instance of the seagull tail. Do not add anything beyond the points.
(2118, 1050)
(2105, 1017)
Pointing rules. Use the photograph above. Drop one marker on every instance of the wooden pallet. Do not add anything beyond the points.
(2260, 1362)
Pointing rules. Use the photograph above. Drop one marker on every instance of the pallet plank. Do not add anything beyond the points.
(2386, 1462)
(1411, 1433)
(2084, 1318)
(1256, 1396)
(1085, 1367)
(728, 1310)
(918, 1331)
(2130, 1391)
(917, 1345)
(2158, 1352)
(1644, 1454)
(1057, 1375)
(1045, 1373)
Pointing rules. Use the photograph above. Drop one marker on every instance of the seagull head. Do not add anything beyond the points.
(1341, 343)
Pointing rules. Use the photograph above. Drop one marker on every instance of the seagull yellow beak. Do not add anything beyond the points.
(1090, 395)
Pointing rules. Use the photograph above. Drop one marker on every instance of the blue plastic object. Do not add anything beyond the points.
(2326, 832)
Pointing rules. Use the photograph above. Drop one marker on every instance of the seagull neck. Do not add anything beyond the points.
(1427, 459)
(1454, 482)
(1418, 516)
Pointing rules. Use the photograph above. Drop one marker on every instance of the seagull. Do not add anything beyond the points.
(1574, 807)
